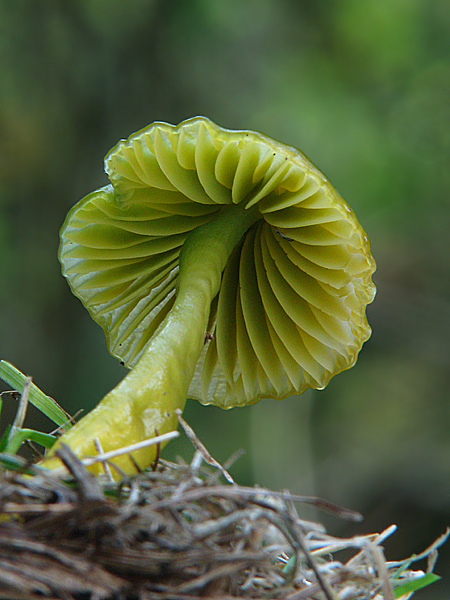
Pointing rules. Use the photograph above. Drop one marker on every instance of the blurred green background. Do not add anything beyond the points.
(363, 88)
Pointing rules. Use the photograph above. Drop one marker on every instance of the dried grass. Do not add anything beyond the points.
(176, 533)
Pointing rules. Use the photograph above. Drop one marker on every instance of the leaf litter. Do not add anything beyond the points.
(180, 531)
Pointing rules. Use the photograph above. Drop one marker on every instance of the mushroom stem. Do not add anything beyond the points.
(143, 404)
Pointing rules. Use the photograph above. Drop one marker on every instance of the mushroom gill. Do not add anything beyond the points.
(290, 310)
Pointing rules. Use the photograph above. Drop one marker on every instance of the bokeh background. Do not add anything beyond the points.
(363, 88)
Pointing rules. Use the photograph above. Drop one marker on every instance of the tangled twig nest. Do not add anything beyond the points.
(175, 533)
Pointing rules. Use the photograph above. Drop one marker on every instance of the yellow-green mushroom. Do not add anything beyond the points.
(222, 266)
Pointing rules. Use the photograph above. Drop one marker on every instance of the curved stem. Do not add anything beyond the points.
(144, 402)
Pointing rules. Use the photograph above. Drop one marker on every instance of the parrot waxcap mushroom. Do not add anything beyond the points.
(222, 266)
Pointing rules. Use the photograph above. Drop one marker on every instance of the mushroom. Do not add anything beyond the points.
(222, 266)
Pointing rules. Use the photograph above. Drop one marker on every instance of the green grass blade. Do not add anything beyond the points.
(44, 439)
(44, 403)
(17, 463)
(4, 439)
(414, 585)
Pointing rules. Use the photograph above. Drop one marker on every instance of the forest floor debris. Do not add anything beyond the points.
(180, 531)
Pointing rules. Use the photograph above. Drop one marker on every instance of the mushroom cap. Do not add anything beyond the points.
(290, 312)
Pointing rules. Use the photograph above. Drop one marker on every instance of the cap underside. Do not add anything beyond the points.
(290, 312)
